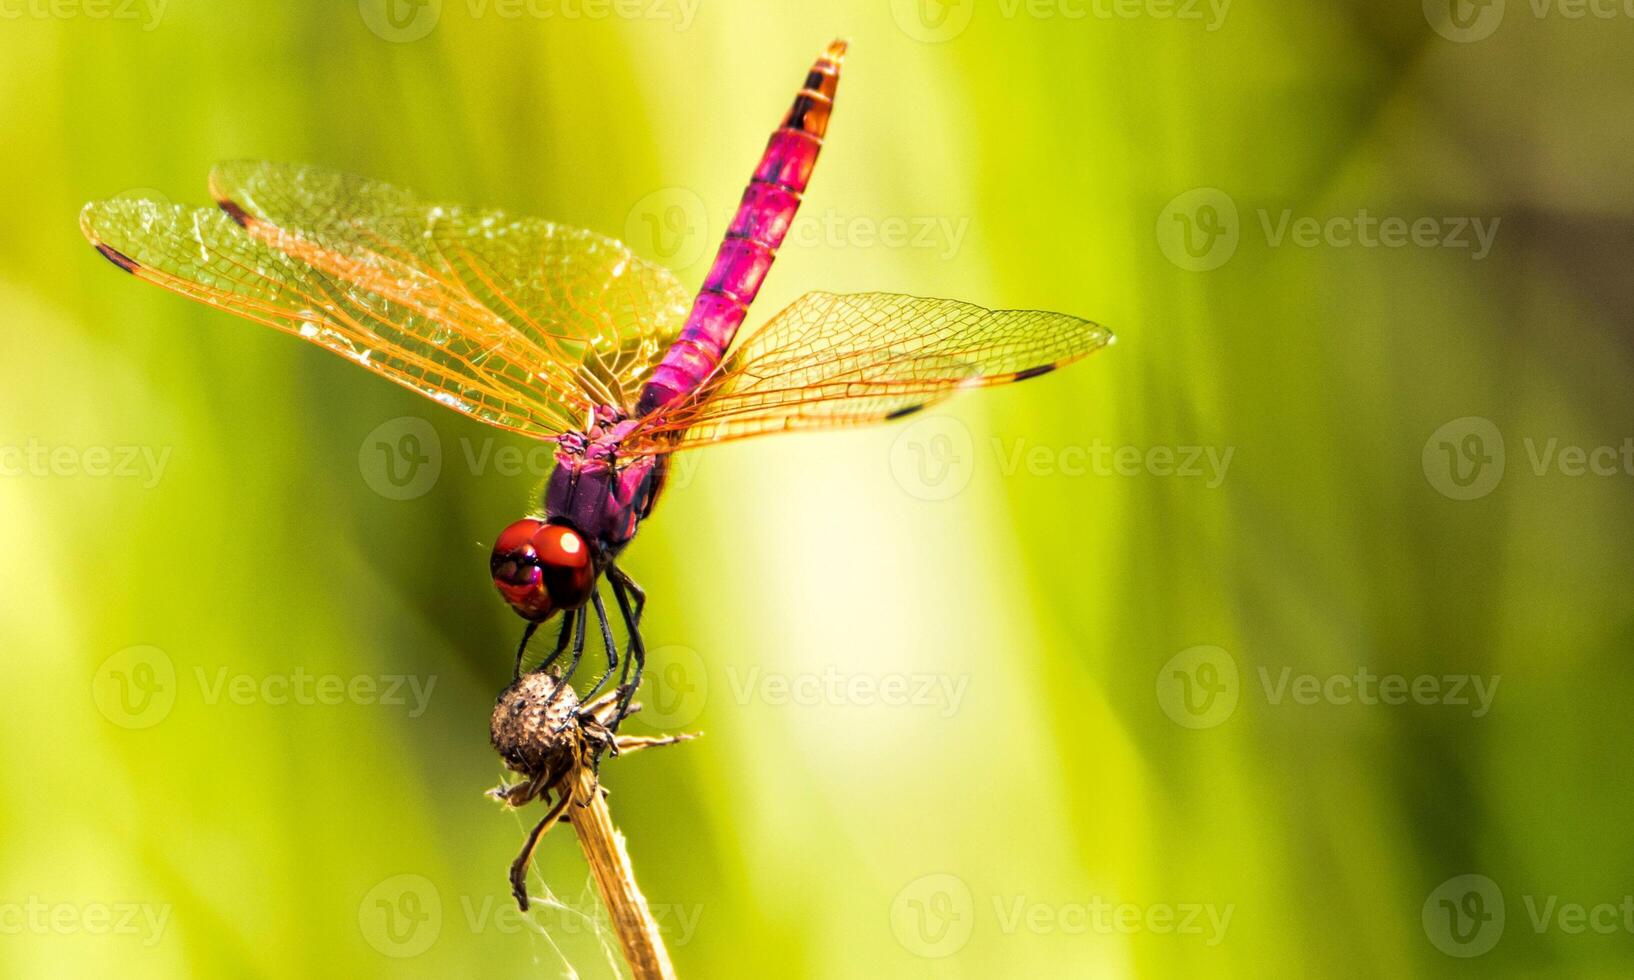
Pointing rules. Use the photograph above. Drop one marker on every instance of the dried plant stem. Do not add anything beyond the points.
(610, 865)
(542, 732)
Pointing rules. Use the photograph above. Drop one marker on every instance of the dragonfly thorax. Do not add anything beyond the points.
(594, 500)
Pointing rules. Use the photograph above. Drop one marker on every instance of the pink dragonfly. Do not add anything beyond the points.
(566, 336)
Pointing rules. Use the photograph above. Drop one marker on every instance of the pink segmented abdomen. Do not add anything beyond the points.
(746, 255)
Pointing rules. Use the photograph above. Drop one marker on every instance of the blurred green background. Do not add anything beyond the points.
(1234, 651)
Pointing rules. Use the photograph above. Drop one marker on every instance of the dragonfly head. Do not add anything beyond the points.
(541, 568)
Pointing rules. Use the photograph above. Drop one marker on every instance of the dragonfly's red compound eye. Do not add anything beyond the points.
(515, 568)
(564, 558)
(540, 568)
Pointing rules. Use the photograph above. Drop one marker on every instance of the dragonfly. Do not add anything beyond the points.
(564, 335)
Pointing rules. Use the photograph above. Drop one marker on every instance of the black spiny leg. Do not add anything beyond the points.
(607, 640)
(522, 650)
(561, 643)
(640, 594)
(638, 650)
(578, 654)
(618, 576)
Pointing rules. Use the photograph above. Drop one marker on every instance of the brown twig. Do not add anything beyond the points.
(554, 743)
(609, 862)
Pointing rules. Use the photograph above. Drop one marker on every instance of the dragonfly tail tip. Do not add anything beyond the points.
(835, 51)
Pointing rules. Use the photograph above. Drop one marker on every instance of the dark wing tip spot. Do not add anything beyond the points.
(239, 215)
(1034, 372)
(117, 257)
(903, 412)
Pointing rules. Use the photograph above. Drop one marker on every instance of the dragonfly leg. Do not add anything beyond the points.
(522, 649)
(578, 654)
(607, 641)
(638, 650)
(615, 573)
(561, 643)
(519, 867)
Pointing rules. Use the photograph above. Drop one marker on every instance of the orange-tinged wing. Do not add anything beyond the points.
(583, 300)
(831, 360)
(393, 321)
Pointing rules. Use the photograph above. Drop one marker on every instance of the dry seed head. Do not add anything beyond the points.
(526, 720)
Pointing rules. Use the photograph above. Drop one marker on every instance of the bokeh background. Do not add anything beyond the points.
(1288, 637)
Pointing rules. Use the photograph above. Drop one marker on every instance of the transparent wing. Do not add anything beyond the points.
(583, 300)
(391, 320)
(831, 360)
